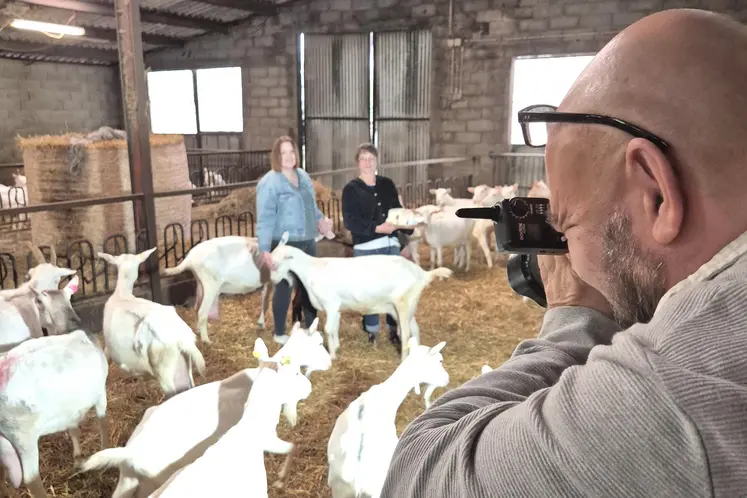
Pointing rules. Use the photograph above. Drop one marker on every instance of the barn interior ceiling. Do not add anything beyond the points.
(165, 23)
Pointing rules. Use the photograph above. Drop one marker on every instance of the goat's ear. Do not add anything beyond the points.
(143, 256)
(283, 239)
(71, 287)
(485, 369)
(296, 326)
(313, 326)
(432, 191)
(260, 349)
(471, 190)
(448, 190)
(413, 344)
(107, 257)
(35, 291)
(437, 348)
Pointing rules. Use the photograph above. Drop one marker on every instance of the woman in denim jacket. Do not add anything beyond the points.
(286, 202)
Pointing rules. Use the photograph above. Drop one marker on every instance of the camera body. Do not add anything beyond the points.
(521, 227)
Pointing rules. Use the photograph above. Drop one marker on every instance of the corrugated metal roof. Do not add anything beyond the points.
(102, 35)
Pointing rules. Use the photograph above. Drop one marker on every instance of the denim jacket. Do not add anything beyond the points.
(282, 207)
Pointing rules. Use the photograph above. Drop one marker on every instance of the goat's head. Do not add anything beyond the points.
(56, 313)
(539, 189)
(479, 192)
(127, 264)
(46, 276)
(443, 195)
(428, 211)
(290, 386)
(426, 365)
(282, 258)
(508, 191)
(307, 346)
(19, 180)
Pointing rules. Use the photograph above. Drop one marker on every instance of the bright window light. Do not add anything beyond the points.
(45, 27)
(542, 80)
(172, 104)
(219, 96)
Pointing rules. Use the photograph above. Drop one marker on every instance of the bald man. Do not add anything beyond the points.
(637, 383)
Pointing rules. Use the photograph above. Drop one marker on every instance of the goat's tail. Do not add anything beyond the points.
(104, 459)
(170, 272)
(442, 272)
(190, 349)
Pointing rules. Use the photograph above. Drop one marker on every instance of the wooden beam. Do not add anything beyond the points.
(146, 15)
(137, 125)
(47, 49)
(263, 7)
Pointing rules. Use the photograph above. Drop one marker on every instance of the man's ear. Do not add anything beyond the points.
(662, 196)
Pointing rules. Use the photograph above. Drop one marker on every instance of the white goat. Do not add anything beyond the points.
(238, 456)
(483, 229)
(176, 432)
(485, 369)
(148, 338)
(47, 385)
(539, 189)
(23, 317)
(402, 217)
(224, 265)
(445, 229)
(383, 283)
(14, 197)
(364, 437)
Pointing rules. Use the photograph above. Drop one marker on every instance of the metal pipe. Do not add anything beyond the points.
(52, 206)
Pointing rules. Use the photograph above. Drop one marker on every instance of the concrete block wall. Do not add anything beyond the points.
(44, 98)
(493, 33)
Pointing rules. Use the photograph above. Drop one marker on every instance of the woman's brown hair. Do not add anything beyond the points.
(275, 161)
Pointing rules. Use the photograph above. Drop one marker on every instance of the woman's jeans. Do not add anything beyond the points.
(281, 298)
(371, 322)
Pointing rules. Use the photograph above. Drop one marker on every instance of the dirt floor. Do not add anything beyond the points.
(477, 315)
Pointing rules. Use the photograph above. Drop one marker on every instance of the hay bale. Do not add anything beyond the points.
(105, 172)
(239, 201)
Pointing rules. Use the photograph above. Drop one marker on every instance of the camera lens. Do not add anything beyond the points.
(519, 208)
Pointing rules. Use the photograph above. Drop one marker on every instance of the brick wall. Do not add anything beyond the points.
(43, 98)
(494, 32)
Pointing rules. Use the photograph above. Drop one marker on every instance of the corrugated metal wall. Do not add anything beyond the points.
(523, 169)
(402, 71)
(336, 81)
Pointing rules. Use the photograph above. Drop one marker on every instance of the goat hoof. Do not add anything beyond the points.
(371, 338)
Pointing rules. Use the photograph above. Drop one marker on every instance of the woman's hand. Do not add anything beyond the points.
(386, 228)
(324, 226)
(267, 260)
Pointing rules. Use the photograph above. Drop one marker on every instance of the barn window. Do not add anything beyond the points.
(172, 104)
(541, 80)
(216, 106)
(364, 87)
(219, 99)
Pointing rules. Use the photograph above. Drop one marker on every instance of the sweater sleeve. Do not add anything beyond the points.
(550, 422)
(267, 206)
(351, 213)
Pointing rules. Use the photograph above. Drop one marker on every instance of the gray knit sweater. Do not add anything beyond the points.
(659, 412)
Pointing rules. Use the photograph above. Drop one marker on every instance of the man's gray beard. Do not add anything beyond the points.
(635, 281)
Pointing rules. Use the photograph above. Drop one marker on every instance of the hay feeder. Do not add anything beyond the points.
(54, 175)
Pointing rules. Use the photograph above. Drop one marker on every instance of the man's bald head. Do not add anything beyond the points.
(629, 209)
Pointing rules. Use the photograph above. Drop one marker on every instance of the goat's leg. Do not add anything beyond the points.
(440, 255)
(468, 255)
(482, 240)
(331, 328)
(209, 302)
(101, 417)
(433, 257)
(403, 313)
(74, 433)
(264, 305)
(278, 446)
(28, 453)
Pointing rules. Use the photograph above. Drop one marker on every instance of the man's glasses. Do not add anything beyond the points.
(534, 120)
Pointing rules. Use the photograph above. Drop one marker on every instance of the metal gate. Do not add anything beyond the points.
(336, 101)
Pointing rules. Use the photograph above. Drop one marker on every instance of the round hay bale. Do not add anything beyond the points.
(105, 172)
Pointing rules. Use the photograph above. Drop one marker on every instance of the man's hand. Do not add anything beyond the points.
(386, 228)
(267, 260)
(564, 288)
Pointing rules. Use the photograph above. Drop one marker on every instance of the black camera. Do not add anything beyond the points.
(521, 228)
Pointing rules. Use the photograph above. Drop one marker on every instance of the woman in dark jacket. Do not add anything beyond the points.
(366, 201)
